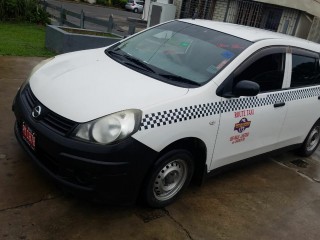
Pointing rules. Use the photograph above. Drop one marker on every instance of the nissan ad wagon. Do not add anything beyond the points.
(178, 101)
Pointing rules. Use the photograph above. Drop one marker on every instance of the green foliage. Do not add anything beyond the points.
(23, 10)
(23, 39)
(123, 3)
(119, 3)
(102, 2)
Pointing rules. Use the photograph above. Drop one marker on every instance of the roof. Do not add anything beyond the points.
(245, 32)
(250, 33)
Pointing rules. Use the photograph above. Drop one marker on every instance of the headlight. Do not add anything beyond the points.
(36, 68)
(110, 128)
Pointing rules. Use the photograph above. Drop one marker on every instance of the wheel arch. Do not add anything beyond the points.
(198, 149)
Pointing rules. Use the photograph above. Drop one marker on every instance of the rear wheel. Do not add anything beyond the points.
(135, 10)
(169, 178)
(311, 142)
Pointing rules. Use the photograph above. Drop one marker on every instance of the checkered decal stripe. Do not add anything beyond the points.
(158, 119)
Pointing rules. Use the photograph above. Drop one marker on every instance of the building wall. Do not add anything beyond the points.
(310, 6)
(314, 34)
(178, 4)
(293, 21)
(288, 20)
(220, 10)
(304, 26)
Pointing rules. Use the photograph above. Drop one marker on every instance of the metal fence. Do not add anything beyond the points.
(254, 14)
(64, 15)
(79, 20)
(197, 8)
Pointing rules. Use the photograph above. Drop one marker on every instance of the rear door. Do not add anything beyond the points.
(252, 125)
(303, 99)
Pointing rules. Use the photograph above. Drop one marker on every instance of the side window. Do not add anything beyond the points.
(305, 71)
(267, 71)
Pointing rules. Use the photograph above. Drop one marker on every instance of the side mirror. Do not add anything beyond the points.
(246, 88)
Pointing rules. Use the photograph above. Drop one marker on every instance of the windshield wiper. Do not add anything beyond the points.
(135, 61)
(114, 52)
(139, 63)
(177, 78)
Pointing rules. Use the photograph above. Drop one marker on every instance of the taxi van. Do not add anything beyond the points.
(179, 101)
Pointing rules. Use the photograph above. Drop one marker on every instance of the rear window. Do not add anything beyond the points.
(305, 71)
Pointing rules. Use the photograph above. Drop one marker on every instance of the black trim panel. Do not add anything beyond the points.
(251, 160)
(107, 173)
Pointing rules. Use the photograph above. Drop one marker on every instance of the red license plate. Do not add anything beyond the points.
(29, 136)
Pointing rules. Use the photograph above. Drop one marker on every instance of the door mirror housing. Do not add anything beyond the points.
(246, 88)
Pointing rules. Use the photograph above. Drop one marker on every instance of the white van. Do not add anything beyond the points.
(175, 102)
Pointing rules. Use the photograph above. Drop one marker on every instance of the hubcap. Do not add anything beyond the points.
(170, 180)
(313, 139)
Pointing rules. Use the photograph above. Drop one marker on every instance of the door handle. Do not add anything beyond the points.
(279, 104)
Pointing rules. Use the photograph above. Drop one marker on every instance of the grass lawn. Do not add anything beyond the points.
(23, 39)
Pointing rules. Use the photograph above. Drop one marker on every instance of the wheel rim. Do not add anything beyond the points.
(170, 180)
(313, 139)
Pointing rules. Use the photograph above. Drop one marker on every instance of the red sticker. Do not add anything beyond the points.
(244, 113)
(239, 138)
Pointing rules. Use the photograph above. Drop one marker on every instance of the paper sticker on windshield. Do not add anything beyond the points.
(222, 45)
(184, 44)
(212, 69)
(221, 65)
(227, 54)
(236, 46)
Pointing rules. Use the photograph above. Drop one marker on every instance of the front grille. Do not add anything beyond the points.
(58, 123)
(50, 119)
(29, 97)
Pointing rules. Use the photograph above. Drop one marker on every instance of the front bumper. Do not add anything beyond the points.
(108, 173)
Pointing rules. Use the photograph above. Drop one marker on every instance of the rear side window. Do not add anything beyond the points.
(305, 71)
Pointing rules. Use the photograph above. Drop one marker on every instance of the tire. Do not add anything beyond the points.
(311, 142)
(168, 178)
(135, 10)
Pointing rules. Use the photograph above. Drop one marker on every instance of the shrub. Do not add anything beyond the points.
(123, 3)
(102, 2)
(119, 3)
(23, 11)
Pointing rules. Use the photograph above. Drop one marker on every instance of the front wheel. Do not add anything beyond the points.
(311, 142)
(168, 178)
(135, 10)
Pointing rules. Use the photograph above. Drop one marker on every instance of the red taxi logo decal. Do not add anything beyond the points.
(242, 125)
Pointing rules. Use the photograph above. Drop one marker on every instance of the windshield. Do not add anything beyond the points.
(178, 52)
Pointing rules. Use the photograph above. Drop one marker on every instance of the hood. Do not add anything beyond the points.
(87, 85)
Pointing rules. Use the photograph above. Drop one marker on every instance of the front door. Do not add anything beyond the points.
(251, 125)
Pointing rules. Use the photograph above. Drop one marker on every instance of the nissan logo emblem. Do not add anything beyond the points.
(36, 112)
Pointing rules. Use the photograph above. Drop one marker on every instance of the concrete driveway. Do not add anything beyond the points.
(276, 198)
